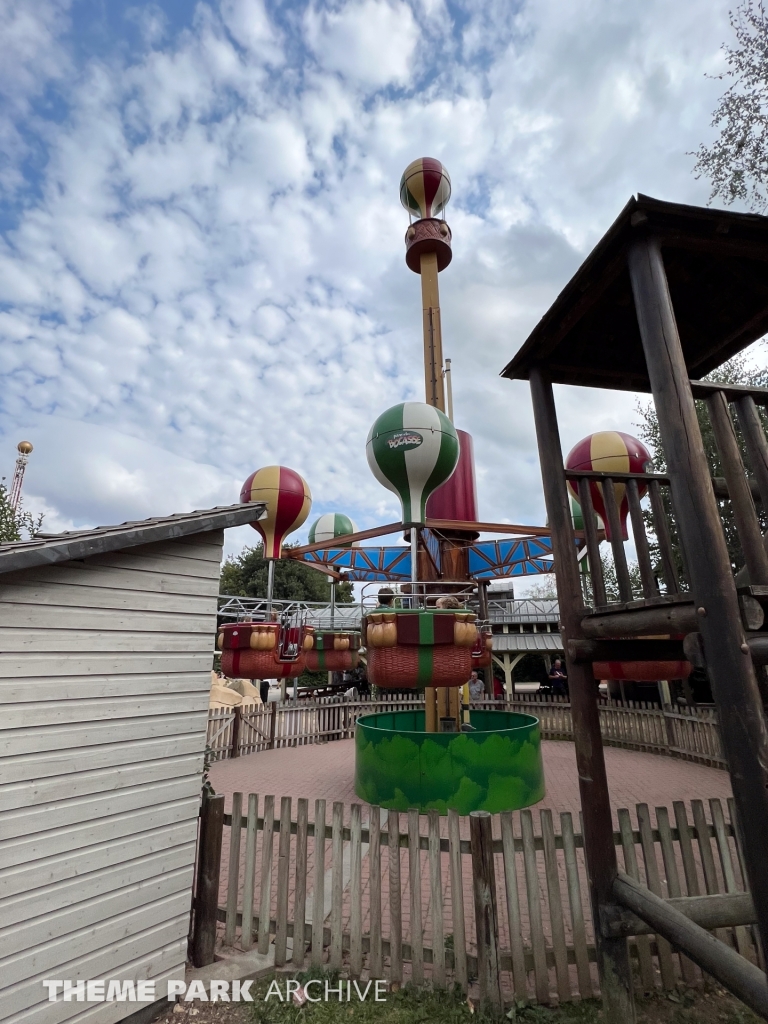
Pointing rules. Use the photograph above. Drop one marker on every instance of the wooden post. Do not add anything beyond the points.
(742, 503)
(617, 544)
(272, 721)
(486, 914)
(237, 722)
(593, 544)
(612, 954)
(757, 446)
(208, 871)
(734, 686)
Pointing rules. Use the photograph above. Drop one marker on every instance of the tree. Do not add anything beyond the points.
(15, 523)
(737, 162)
(734, 371)
(245, 575)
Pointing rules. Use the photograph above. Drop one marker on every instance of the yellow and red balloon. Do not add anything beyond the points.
(609, 451)
(288, 501)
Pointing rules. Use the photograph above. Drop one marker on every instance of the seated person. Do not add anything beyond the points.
(448, 602)
(386, 597)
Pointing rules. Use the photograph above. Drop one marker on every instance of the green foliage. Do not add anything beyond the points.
(612, 580)
(245, 575)
(737, 162)
(544, 588)
(734, 371)
(16, 524)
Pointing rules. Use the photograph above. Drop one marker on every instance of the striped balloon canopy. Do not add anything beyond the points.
(609, 451)
(412, 448)
(330, 526)
(288, 501)
(425, 187)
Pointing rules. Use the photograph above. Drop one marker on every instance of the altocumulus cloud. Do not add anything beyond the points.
(201, 269)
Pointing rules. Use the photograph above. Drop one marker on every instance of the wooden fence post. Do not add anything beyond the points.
(207, 889)
(486, 914)
(272, 721)
(236, 726)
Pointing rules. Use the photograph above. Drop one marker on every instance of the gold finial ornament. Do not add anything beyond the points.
(24, 447)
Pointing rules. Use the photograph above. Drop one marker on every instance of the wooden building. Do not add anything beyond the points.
(106, 642)
(668, 294)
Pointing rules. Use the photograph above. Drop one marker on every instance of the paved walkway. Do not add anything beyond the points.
(327, 771)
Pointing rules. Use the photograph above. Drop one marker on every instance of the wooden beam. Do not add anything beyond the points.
(344, 541)
(456, 524)
(612, 954)
(720, 487)
(625, 650)
(722, 910)
(734, 685)
(663, 618)
(591, 474)
(705, 388)
(715, 958)
(326, 570)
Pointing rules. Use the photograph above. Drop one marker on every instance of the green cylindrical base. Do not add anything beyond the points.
(496, 768)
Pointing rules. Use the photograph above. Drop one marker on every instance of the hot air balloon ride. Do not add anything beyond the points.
(412, 449)
(333, 650)
(273, 649)
(609, 451)
(288, 501)
(264, 650)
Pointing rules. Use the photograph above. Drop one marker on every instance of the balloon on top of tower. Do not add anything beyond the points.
(425, 189)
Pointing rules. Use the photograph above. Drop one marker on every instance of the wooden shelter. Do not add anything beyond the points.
(667, 295)
(106, 650)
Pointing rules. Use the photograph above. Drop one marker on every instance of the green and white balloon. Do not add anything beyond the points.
(412, 449)
(330, 526)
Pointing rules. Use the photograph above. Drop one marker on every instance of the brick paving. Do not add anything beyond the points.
(326, 771)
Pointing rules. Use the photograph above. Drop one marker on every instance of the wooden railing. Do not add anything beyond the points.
(689, 733)
(736, 424)
(353, 888)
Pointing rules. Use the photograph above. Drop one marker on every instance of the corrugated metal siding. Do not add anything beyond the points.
(104, 679)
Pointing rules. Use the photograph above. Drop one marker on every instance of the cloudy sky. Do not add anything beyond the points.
(201, 258)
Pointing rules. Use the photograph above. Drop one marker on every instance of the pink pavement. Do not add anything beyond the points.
(318, 771)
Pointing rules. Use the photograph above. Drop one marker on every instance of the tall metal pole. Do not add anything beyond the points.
(433, 335)
(333, 617)
(24, 448)
(270, 583)
(449, 388)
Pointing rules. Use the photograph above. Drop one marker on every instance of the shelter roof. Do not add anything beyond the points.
(717, 267)
(518, 642)
(47, 549)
